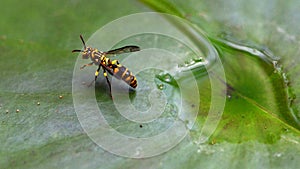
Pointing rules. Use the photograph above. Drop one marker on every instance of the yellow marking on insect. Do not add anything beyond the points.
(96, 73)
(105, 74)
(133, 81)
(128, 78)
(102, 58)
(116, 70)
(114, 62)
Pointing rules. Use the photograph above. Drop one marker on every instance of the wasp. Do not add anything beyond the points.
(113, 67)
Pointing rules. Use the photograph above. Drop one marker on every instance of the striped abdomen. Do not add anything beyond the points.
(121, 72)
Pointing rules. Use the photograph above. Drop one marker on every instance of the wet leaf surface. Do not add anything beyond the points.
(259, 127)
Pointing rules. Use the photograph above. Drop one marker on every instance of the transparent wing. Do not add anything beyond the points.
(125, 49)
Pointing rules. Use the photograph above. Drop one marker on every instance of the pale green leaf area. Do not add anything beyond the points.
(262, 104)
(259, 127)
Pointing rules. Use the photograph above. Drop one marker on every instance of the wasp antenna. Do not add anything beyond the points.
(76, 50)
(82, 41)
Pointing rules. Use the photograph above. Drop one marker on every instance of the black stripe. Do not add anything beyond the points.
(119, 74)
(133, 83)
(123, 70)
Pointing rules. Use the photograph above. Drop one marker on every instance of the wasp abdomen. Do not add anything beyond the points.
(123, 73)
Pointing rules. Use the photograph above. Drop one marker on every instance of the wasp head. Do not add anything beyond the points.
(86, 52)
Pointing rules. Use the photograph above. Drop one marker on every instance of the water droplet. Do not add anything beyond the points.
(161, 86)
(189, 125)
(285, 78)
(199, 59)
(6, 111)
(213, 142)
(191, 62)
(202, 139)
(229, 96)
(186, 63)
(17, 110)
(138, 151)
(275, 62)
(167, 77)
(277, 154)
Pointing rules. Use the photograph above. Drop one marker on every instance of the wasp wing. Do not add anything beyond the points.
(125, 49)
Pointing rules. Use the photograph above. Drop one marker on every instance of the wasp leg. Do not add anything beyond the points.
(108, 82)
(89, 64)
(96, 75)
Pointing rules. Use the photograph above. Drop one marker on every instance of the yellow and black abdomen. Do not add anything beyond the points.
(121, 72)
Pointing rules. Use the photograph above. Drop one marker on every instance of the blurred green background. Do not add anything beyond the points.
(260, 124)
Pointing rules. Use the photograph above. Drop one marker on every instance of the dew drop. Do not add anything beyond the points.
(138, 151)
(167, 78)
(192, 62)
(275, 63)
(213, 142)
(199, 59)
(277, 154)
(286, 81)
(161, 86)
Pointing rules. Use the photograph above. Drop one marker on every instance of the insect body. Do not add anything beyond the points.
(113, 67)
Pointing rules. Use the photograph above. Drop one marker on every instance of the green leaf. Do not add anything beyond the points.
(261, 104)
(259, 127)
